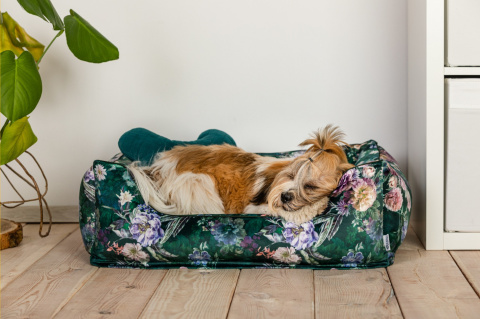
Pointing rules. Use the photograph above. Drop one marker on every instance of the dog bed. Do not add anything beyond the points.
(364, 224)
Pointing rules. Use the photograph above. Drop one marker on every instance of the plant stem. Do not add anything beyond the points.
(45, 51)
(3, 127)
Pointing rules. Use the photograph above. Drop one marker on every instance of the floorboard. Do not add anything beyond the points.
(273, 293)
(428, 284)
(469, 264)
(191, 293)
(49, 283)
(52, 278)
(119, 293)
(16, 260)
(354, 294)
(31, 214)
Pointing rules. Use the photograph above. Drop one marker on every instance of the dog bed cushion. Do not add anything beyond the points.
(142, 145)
(364, 224)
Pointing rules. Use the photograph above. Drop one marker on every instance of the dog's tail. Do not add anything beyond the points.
(149, 190)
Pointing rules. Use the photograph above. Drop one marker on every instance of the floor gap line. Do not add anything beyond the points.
(234, 293)
(153, 294)
(314, 302)
(394, 292)
(464, 275)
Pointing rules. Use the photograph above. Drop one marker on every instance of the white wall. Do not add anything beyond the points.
(266, 72)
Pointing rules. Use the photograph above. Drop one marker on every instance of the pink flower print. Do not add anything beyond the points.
(394, 200)
(363, 194)
(392, 181)
(286, 255)
(368, 171)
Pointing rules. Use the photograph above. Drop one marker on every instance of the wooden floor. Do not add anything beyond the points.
(52, 278)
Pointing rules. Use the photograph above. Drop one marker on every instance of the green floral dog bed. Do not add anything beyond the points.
(364, 224)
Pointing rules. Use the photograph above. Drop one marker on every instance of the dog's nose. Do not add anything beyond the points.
(286, 197)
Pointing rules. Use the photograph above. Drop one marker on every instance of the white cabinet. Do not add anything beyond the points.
(462, 33)
(462, 172)
(427, 131)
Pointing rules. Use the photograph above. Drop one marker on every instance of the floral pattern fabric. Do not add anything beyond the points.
(364, 224)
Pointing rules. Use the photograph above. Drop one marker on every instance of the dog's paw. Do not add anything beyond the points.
(305, 213)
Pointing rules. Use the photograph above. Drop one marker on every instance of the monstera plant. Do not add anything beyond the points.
(21, 84)
(21, 55)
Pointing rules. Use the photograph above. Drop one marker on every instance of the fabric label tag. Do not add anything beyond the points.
(386, 242)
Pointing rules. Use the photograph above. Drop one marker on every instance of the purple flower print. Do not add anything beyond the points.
(199, 258)
(342, 206)
(103, 236)
(249, 244)
(89, 176)
(346, 181)
(300, 237)
(404, 230)
(146, 208)
(88, 231)
(145, 229)
(371, 229)
(352, 260)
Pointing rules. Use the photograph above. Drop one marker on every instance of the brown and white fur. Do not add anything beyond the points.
(223, 179)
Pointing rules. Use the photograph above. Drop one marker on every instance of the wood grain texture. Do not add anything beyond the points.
(273, 293)
(365, 293)
(191, 293)
(469, 264)
(49, 283)
(428, 284)
(11, 234)
(16, 260)
(119, 293)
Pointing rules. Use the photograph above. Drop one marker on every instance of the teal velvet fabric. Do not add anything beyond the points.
(365, 223)
(142, 145)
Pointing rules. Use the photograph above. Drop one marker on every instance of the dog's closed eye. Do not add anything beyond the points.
(310, 187)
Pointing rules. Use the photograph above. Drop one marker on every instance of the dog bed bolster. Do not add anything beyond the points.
(363, 226)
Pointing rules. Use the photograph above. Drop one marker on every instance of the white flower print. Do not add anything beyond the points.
(135, 252)
(124, 197)
(368, 171)
(101, 172)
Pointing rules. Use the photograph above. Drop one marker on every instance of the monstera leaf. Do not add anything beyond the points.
(17, 137)
(86, 43)
(43, 9)
(14, 38)
(21, 85)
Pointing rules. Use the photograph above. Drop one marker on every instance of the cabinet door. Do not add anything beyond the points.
(463, 33)
(462, 210)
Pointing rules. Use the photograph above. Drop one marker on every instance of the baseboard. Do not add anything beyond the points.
(31, 214)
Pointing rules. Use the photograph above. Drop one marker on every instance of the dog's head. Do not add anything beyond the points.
(312, 177)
